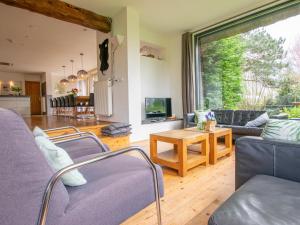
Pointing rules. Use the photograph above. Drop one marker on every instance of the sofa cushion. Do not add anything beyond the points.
(123, 178)
(282, 130)
(241, 117)
(263, 200)
(242, 130)
(224, 116)
(58, 158)
(200, 116)
(259, 121)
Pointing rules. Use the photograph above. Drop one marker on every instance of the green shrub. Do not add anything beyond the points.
(293, 112)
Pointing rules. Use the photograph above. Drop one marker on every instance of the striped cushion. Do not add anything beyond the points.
(282, 130)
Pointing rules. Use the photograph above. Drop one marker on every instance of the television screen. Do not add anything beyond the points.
(155, 107)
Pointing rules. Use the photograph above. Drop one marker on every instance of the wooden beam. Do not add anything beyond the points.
(64, 11)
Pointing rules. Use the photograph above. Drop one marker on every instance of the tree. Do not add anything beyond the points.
(265, 66)
(289, 90)
(222, 65)
(295, 52)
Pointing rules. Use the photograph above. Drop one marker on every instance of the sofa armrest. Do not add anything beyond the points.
(189, 120)
(255, 155)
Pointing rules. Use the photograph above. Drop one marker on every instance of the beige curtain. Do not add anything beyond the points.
(188, 93)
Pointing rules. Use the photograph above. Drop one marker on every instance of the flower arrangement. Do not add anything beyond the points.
(74, 91)
(211, 122)
(210, 116)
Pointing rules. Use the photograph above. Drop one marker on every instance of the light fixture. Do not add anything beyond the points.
(64, 81)
(82, 74)
(72, 78)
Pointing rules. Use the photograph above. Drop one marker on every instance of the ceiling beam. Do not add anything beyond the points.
(64, 11)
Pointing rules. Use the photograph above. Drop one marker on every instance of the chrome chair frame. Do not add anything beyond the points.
(83, 135)
(63, 128)
(53, 138)
(102, 156)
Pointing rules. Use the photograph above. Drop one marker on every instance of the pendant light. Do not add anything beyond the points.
(82, 74)
(64, 81)
(72, 78)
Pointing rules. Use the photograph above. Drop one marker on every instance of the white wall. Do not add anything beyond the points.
(142, 77)
(134, 76)
(162, 78)
(154, 80)
(119, 70)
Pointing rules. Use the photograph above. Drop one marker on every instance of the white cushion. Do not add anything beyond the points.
(261, 120)
(200, 116)
(39, 132)
(58, 158)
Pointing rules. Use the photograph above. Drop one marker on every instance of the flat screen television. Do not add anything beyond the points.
(158, 107)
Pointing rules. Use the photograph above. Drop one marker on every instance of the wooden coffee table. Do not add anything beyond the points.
(180, 158)
(217, 150)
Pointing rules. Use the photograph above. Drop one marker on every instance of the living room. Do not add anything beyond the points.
(189, 114)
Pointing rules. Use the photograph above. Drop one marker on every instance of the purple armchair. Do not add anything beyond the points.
(117, 186)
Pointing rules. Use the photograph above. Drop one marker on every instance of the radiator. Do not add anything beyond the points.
(103, 98)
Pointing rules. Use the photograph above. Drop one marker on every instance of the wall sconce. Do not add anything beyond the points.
(11, 84)
(117, 40)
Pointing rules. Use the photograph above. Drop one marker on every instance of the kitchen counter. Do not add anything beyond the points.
(20, 104)
(14, 96)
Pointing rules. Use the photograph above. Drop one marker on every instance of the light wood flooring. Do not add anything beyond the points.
(190, 200)
(47, 122)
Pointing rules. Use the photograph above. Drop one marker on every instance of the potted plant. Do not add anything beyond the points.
(17, 90)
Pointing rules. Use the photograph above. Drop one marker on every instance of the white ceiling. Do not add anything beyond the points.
(173, 15)
(36, 43)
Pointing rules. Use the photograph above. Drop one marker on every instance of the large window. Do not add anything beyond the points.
(252, 63)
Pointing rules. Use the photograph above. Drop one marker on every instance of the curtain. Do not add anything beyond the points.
(188, 93)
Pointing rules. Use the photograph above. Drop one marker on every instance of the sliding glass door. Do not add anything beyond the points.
(252, 63)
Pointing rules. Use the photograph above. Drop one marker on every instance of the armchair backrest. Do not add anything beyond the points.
(71, 100)
(91, 100)
(24, 174)
(67, 103)
(62, 101)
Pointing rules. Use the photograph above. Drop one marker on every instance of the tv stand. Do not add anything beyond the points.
(158, 120)
(154, 120)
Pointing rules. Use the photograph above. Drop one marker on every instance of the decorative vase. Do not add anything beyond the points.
(201, 125)
(210, 125)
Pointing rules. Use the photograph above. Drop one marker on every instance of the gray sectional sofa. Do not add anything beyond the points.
(234, 119)
(267, 185)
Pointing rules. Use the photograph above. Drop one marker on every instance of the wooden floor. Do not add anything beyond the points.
(188, 200)
(47, 122)
(192, 199)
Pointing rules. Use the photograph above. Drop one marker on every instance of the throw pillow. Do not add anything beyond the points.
(39, 132)
(282, 130)
(200, 116)
(58, 158)
(261, 120)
